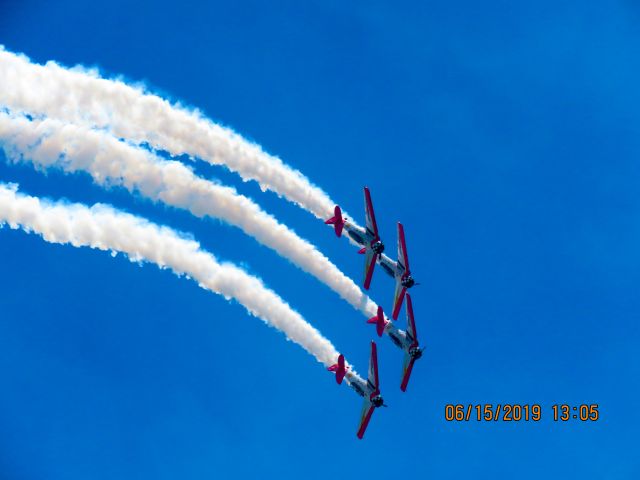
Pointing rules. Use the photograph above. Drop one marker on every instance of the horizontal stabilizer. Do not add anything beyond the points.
(339, 368)
(379, 321)
(337, 221)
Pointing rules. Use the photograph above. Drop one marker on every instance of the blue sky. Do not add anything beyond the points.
(504, 137)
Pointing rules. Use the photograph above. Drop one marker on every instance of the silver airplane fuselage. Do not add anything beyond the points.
(403, 340)
(363, 237)
(364, 388)
(394, 270)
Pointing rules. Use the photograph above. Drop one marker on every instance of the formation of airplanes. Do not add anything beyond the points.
(372, 247)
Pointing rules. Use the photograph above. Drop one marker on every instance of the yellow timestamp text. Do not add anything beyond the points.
(515, 412)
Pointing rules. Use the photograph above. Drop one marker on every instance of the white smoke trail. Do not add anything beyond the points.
(80, 96)
(51, 143)
(103, 228)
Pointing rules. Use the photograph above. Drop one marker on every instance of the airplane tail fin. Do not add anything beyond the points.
(339, 368)
(337, 221)
(379, 321)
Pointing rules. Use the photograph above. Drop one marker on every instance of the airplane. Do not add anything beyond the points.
(367, 238)
(399, 271)
(407, 341)
(369, 389)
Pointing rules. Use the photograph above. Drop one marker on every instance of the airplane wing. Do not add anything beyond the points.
(407, 366)
(398, 297)
(401, 269)
(369, 265)
(368, 407)
(373, 366)
(372, 226)
(412, 333)
(365, 416)
(403, 258)
(411, 324)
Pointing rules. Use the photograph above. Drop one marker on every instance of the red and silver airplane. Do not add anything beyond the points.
(369, 389)
(407, 341)
(373, 248)
(367, 238)
(399, 271)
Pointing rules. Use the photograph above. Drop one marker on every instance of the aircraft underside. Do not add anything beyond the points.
(357, 237)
